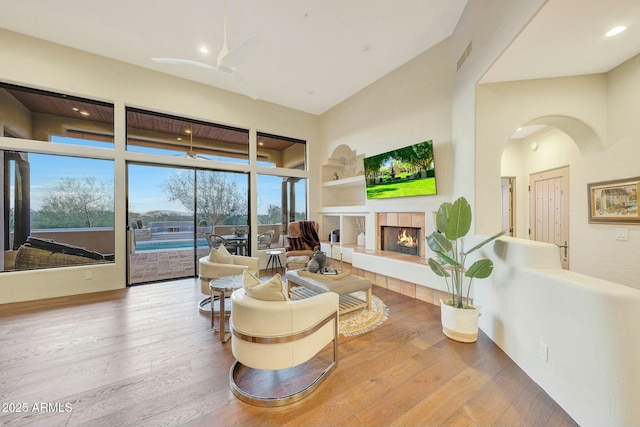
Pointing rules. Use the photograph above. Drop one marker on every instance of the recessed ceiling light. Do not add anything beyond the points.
(615, 31)
(179, 139)
(260, 144)
(75, 109)
(203, 49)
(84, 113)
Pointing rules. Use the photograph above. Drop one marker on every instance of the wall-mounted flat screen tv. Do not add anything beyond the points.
(404, 172)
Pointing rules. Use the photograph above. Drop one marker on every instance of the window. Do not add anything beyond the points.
(281, 151)
(171, 211)
(156, 133)
(281, 199)
(57, 210)
(46, 116)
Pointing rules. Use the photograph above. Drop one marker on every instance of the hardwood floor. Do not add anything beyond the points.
(144, 356)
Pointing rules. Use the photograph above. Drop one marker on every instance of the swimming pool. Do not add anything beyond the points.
(154, 245)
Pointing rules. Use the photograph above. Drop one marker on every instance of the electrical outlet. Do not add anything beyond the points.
(88, 275)
(543, 351)
(622, 234)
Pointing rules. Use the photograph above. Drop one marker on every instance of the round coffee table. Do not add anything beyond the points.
(223, 286)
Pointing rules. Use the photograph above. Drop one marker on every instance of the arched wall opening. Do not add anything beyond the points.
(549, 148)
(576, 111)
(501, 108)
(587, 129)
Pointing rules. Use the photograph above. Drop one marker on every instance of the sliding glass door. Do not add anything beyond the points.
(168, 219)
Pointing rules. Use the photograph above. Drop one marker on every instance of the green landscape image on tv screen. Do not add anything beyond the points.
(404, 172)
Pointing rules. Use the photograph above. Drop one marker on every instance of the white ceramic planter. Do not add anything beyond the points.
(361, 239)
(459, 324)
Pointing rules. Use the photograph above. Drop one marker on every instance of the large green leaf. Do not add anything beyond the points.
(446, 258)
(480, 269)
(437, 268)
(484, 242)
(438, 243)
(459, 221)
(443, 216)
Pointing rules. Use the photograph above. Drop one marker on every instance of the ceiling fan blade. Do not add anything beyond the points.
(226, 62)
(228, 59)
(243, 86)
(178, 61)
(240, 53)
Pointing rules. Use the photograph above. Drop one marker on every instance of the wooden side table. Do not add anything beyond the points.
(223, 286)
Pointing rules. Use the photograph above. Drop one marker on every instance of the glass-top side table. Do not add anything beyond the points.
(223, 286)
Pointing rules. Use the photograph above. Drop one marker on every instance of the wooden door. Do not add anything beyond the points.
(549, 217)
(508, 205)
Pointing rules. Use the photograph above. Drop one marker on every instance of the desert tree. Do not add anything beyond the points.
(76, 202)
(218, 196)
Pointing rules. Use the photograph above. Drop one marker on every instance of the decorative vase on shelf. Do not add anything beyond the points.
(321, 258)
(361, 239)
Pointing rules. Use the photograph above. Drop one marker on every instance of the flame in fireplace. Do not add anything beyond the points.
(406, 240)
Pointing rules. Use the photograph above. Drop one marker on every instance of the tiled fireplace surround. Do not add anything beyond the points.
(421, 292)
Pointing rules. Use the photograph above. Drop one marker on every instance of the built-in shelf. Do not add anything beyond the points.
(343, 199)
(357, 181)
(345, 210)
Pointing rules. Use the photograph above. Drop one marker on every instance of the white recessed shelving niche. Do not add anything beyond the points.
(343, 201)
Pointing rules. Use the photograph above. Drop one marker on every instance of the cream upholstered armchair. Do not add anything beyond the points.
(220, 263)
(302, 242)
(268, 336)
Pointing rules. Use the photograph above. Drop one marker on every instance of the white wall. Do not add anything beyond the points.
(605, 137)
(490, 26)
(555, 149)
(36, 63)
(589, 327)
(409, 105)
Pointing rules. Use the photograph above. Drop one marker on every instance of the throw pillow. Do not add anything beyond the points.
(298, 259)
(249, 279)
(296, 243)
(220, 255)
(271, 290)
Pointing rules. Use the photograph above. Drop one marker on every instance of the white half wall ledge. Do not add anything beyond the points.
(414, 272)
(589, 328)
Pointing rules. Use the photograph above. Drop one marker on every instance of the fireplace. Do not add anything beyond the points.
(404, 240)
(401, 232)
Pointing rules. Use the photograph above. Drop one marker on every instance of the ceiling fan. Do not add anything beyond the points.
(227, 59)
(191, 153)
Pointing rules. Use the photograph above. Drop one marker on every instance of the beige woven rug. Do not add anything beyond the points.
(358, 321)
(362, 320)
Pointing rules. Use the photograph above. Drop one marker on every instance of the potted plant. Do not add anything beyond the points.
(453, 221)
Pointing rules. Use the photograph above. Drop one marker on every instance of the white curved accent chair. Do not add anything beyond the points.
(274, 335)
(212, 270)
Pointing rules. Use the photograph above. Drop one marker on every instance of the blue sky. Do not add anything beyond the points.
(146, 191)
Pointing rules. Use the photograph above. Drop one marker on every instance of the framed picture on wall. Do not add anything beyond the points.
(614, 202)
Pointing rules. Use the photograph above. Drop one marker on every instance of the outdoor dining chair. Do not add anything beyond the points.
(215, 241)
